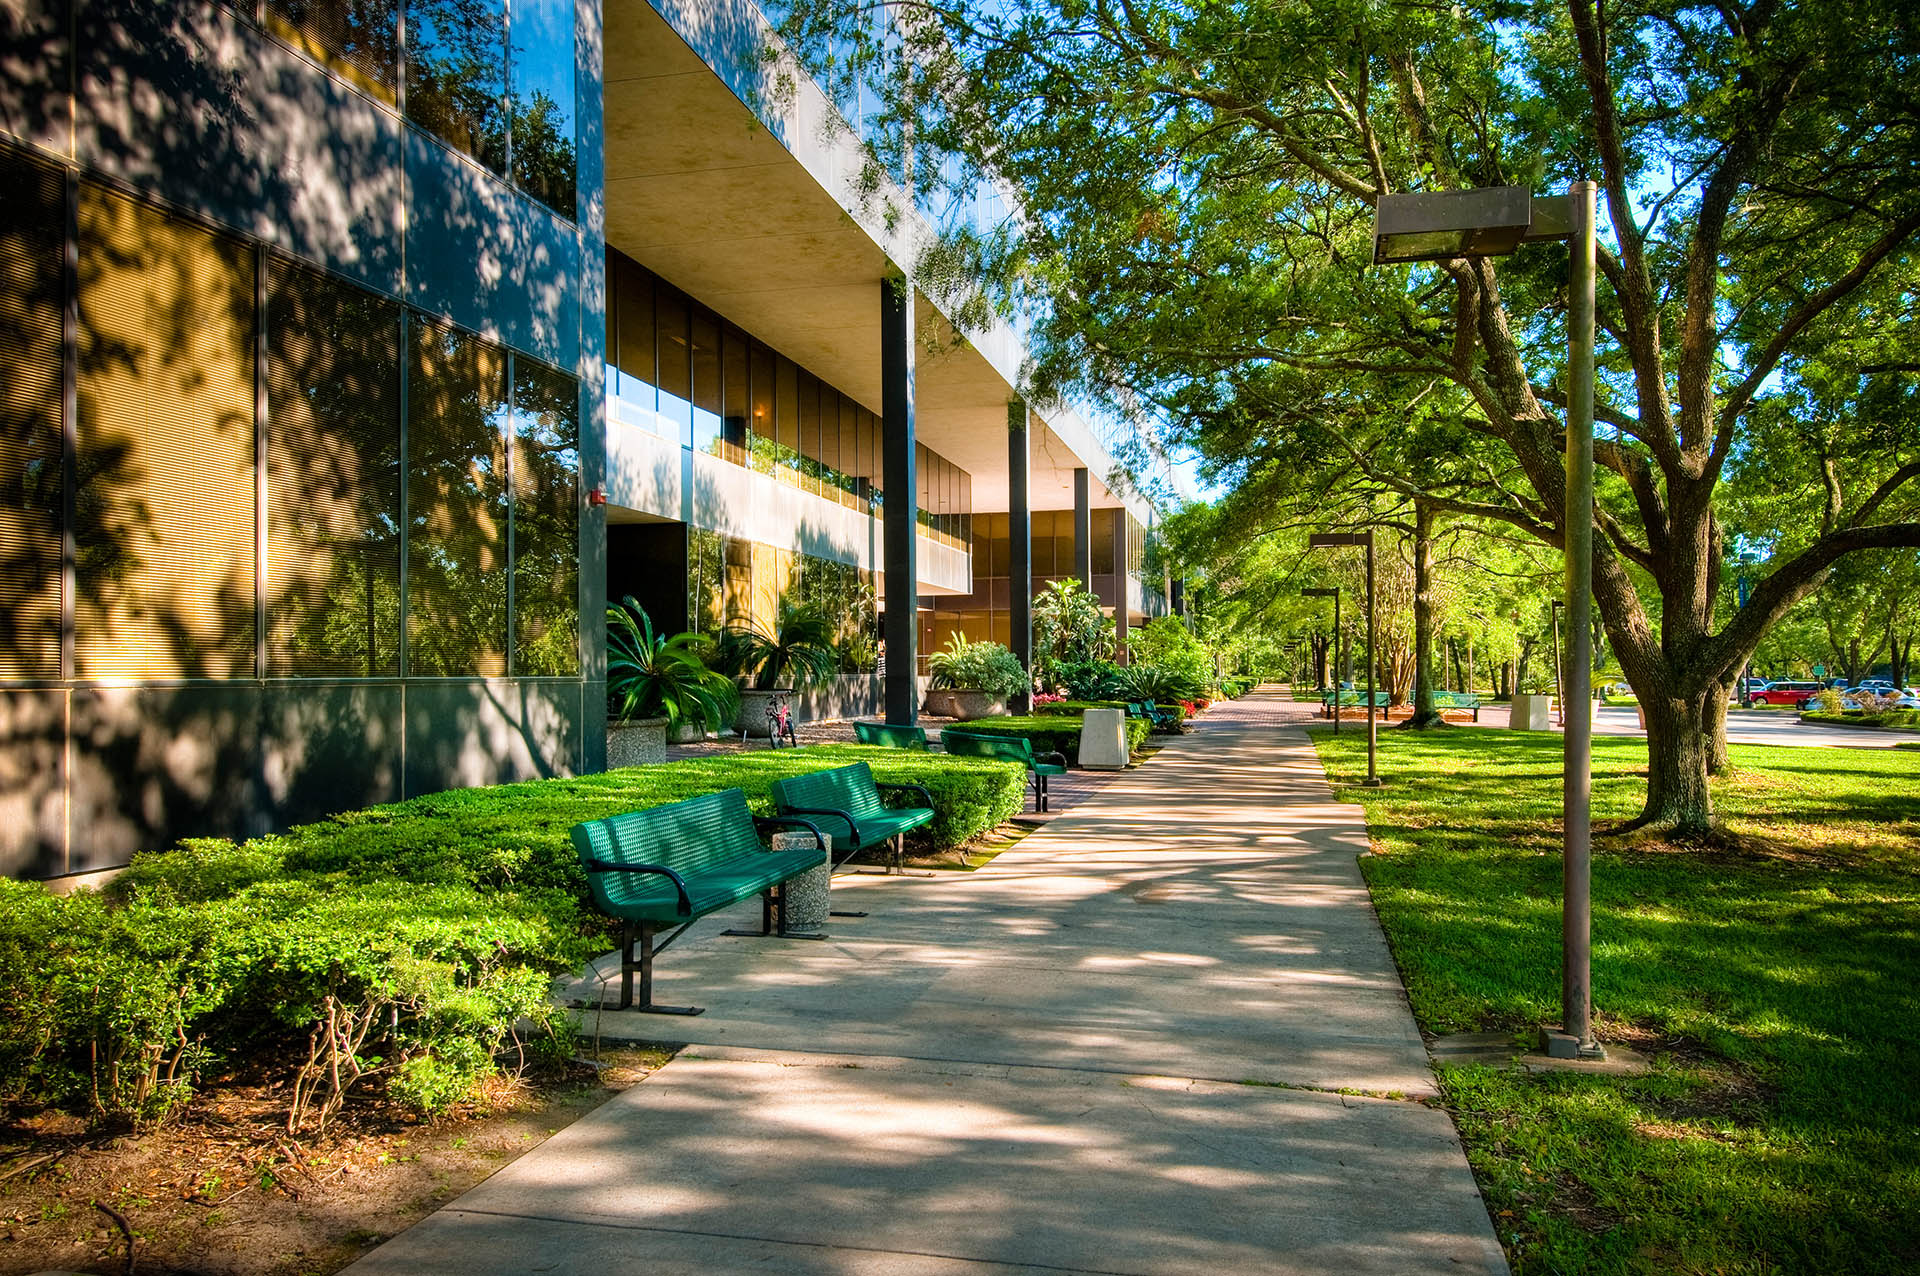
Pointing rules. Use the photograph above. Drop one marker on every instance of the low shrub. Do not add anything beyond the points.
(406, 946)
(1075, 708)
(1051, 732)
(1890, 718)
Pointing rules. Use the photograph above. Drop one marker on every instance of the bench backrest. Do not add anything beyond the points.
(848, 788)
(983, 745)
(891, 736)
(683, 836)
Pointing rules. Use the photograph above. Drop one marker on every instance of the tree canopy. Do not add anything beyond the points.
(1192, 233)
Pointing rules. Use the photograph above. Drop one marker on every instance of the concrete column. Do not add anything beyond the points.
(901, 487)
(1123, 583)
(1083, 528)
(1019, 548)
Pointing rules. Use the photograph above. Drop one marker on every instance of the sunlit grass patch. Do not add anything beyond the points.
(1771, 980)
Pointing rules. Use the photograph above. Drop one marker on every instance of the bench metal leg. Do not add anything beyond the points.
(773, 919)
(646, 1006)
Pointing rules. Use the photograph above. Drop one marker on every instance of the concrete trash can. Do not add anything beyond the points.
(1530, 713)
(1103, 739)
(805, 897)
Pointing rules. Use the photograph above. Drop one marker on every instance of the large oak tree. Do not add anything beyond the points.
(1196, 182)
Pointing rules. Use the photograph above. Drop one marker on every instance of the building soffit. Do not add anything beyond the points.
(703, 193)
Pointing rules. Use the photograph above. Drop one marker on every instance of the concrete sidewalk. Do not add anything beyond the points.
(1120, 1048)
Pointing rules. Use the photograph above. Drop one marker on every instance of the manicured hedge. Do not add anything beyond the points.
(1891, 718)
(1050, 733)
(432, 927)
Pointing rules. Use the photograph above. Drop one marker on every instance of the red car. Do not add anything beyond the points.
(1784, 693)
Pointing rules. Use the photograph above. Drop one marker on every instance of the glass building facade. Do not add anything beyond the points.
(679, 370)
(291, 510)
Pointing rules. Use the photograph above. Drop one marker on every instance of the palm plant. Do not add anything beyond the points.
(650, 675)
(801, 649)
(1156, 683)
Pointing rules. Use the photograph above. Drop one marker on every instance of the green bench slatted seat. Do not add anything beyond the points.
(1011, 748)
(889, 736)
(1350, 698)
(669, 866)
(1444, 700)
(1162, 719)
(851, 809)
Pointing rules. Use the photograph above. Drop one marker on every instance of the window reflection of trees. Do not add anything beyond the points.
(333, 478)
(456, 505)
(359, 39)
(457, 75)
(32, 224)
(542, 70)
(546, 561)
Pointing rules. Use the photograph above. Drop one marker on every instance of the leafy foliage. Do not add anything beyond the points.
(801, 651)
(977, 666)
(651, 675)
(407, 946)
(1051, 732)
(1068, 629)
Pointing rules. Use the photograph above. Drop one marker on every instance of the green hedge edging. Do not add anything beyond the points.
(1050, 733)
(1892, 720)
(439, 922)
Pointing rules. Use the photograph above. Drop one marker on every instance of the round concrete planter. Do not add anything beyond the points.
(751, 717)
(691, 731)
(639, 742)
(964, 704)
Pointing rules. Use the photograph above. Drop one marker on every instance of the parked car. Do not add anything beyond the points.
(1785, 692)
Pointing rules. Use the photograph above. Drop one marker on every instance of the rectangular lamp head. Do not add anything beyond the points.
(1430, 225)
(1326, 540)
(1319, 593)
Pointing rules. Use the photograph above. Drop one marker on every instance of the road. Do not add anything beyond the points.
(1744, 726)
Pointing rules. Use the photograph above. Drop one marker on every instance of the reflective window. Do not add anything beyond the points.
(164, 506)
(358, 39)
(786, 405)
(456, 505)
(632, 341)
(33, 223)
(333, 478)
(457, 75)
(736, 406)
(705, 339)
(543, 116)
(546, 522)
(676, 362)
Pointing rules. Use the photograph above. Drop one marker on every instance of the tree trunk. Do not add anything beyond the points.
(1423, 714)
(1318, 644)
(1679, 757)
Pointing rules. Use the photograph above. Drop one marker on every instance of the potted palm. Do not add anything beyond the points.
(797, 653)
(972, 679)
(657, 684)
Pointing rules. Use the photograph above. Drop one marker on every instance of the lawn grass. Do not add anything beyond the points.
(1773, 987)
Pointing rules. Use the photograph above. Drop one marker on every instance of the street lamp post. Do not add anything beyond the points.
(1334, 594)
(1492, 222)
(1322, 540)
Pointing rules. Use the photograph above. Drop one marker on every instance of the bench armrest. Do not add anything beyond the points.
(761, 823)
(684, 905)
(921, 789)
(1056, 757)
(845, 817)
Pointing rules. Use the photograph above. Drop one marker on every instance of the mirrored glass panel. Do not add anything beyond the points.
(457, 75)
(357, 39)
(333, 478)
(456, 505)
(543, 114)
(546, 522)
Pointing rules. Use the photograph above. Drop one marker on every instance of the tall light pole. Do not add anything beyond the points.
(1334, 594)
(1491, 222)
(1323, 540)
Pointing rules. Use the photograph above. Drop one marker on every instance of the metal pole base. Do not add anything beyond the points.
(1562, 1045)
(1373, 782)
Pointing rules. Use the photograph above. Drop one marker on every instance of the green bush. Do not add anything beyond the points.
(1074, 708)
(407, 945)
(1889, 718)
(1051, 733)
(1086, 679)
(977, 666)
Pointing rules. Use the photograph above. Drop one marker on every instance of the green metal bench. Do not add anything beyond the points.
(1011, 748)
(1162, 719)
(1443, 700)
(669, 866)
(888, 736)
(1351, 699)
(847, 798)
